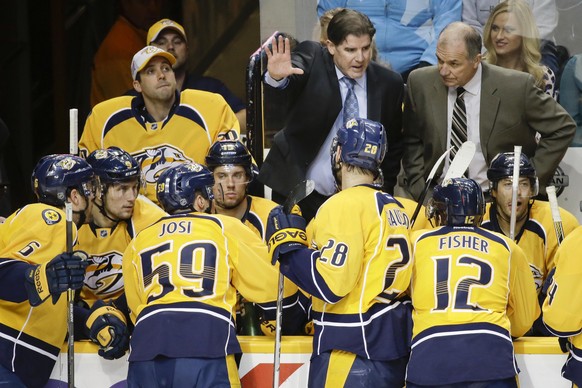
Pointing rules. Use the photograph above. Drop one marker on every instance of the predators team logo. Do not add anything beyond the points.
(351, 123)
(101, 154)
(50, 216)
(154, 161)
(103, 275)
(66, 163)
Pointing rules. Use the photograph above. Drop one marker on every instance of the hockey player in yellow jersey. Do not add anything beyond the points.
(181, 276)
(472, 291)
(562, 309)
(34, 271)
(534, 226)
(232, 166)
(356, 268)
(119, 213)
(160, 127)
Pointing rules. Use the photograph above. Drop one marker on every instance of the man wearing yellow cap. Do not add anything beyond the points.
(160, 127)
(171, 36)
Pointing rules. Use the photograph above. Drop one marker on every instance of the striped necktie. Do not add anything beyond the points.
(459, 125)
(350, 109)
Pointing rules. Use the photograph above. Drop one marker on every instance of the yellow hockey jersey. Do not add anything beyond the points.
(537, 238)
(562, 309)
(257, 214)
(198, 120)
(472, 290)
(181, 280)
(357, 267)
(30, 337)
(105, 247)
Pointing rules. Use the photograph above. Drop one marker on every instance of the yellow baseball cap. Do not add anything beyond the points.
(160, 26)
(143, 56)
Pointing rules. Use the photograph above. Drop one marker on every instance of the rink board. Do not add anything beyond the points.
(539, 359)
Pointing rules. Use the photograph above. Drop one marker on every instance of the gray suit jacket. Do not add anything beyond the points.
(512, 111)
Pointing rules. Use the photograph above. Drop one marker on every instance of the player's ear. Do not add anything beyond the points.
(137, 86)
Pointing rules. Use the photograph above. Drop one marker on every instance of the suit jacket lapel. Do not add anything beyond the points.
(374, 94)
(439, 112)
(489, 108)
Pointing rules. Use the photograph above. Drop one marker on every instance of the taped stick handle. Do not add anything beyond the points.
(556, 216)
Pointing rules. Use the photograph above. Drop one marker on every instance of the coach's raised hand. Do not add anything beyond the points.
(279, 59)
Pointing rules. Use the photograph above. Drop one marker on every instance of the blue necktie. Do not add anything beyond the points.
(459, 125)
(350, 109)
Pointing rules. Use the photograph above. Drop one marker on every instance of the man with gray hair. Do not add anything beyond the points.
(463, 99)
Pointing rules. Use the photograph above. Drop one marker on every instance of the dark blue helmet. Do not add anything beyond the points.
(113, 165)
(363, 144)
(54, 176)
(502, 167)
(228, 152)
(456, 202)
(177, 186)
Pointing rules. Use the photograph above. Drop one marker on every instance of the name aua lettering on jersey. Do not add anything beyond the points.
(464, 241)
(153, 161)
(176, 227)
(396, 217)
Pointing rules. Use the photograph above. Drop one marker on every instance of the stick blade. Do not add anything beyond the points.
(461, 161)
(299, 192)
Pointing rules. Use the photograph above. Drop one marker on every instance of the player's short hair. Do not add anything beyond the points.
(502, 167)
(363, 144)
(349, 22)
(456, 202)
(177, 186)
(54, 176)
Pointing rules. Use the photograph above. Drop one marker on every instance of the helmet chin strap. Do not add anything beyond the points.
(103, 211)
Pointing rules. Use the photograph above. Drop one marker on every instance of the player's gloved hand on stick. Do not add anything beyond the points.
(65, 271)
(108, 329)
(285, 233)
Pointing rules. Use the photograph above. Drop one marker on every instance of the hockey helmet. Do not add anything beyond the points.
(502, 167)
(113, 165)
(228, 152)
(456, 202)
(54, 176)
(363, 144)
(176, 186)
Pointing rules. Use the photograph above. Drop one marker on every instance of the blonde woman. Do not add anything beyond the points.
(511, 39)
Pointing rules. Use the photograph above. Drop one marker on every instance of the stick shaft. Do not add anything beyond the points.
(278, 331)
(515, 189)
(73, 131)
(70, 303)
(73, 149)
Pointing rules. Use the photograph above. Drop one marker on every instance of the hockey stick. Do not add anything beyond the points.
(457, 168)
(73, 136)
(299, 192)
(514, 188)
(461, 161)
(556, 217)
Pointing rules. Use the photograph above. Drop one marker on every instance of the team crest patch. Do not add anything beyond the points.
(51, 217)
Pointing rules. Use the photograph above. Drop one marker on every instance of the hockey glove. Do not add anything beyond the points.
(285, 233)
(108, 329)
(65, 271)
